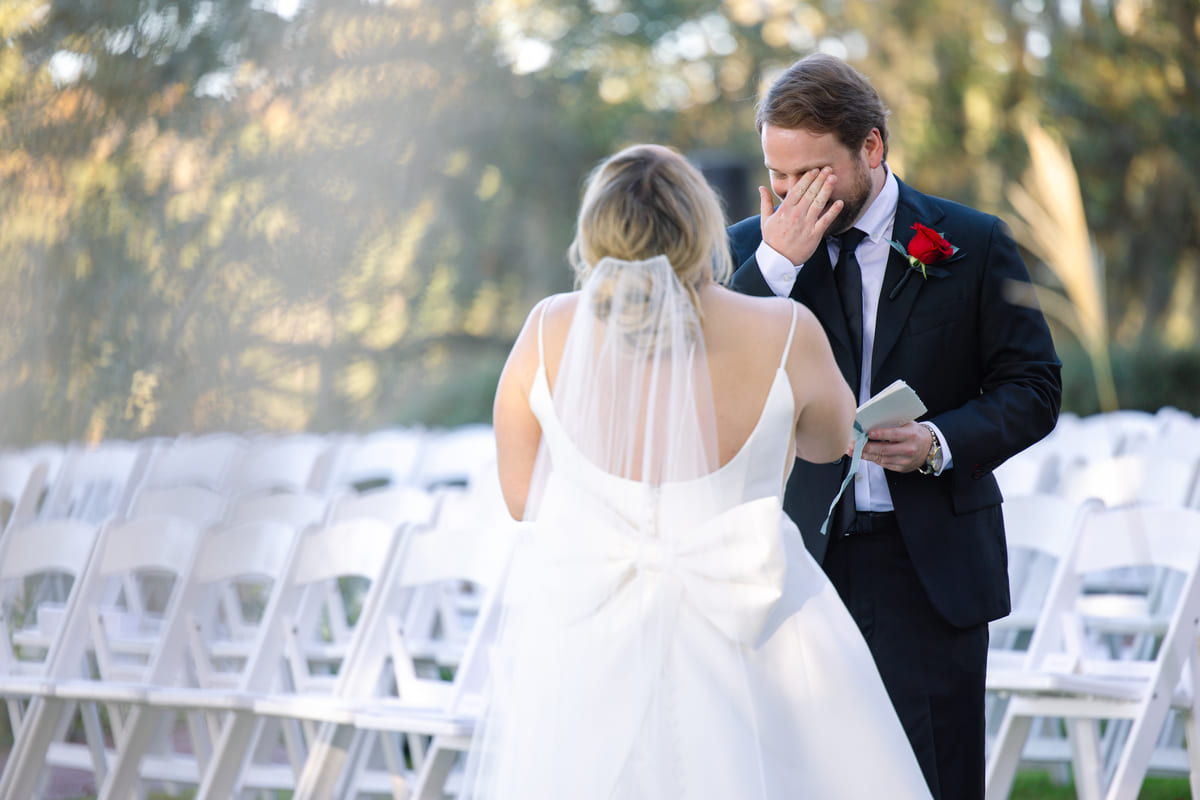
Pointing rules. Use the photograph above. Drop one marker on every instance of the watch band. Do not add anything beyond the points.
(933, 459)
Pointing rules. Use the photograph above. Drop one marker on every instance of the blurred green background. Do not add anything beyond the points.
(335, 214)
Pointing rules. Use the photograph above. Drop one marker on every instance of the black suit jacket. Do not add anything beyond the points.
(985, 368)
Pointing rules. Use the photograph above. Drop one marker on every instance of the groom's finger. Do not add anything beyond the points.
(807, 188)
(825, 190)
(765, 207)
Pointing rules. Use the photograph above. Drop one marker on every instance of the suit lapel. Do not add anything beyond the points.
(892, 313)
(815, 288)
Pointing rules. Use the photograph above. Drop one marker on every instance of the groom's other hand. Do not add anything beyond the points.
(900, 449)
(803, 217)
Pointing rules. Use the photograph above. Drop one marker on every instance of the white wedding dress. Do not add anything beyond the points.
(677, 641)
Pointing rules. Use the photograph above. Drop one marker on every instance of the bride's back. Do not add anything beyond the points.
(745, 339)
(745, 343)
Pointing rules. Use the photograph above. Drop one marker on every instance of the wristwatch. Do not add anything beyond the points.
(933, 460)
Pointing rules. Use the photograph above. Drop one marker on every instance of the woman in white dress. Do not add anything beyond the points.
(665, 633)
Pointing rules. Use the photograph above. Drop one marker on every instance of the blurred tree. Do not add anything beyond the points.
(267, 222)
(335, 214)
(1118, 81)
(1122, 79)
(101, 138)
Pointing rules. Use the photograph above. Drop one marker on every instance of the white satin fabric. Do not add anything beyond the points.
(675, 641)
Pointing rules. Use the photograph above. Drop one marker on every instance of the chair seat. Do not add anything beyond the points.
(1057, 683)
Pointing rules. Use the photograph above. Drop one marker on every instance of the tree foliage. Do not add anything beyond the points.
(335, 214)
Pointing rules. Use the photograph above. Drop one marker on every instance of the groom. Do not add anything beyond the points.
(916, 549)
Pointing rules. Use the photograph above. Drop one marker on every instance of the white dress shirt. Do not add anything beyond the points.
(870, 485)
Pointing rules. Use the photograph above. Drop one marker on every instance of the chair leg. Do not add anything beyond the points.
(1006, 755)
(93, 733)
(25, 763)
(357, 764)
(229, 753)
(198, 732)
(1135, 756)
(1191, 742)
(393, 757)
(1084, 735)
(435, 769)
(140, 727)
(327, 756)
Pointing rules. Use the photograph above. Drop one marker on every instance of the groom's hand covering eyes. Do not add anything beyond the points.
(798, 225)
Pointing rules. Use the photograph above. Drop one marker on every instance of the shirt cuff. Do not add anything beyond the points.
(777, 271)
(947, 458)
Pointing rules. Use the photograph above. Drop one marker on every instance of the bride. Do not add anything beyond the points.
(665, 633)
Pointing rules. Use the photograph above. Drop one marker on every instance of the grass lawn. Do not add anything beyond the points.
(1038, 786)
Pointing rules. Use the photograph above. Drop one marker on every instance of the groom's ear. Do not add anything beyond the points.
(872, 148)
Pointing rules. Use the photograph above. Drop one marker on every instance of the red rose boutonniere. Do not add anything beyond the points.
(927, 247)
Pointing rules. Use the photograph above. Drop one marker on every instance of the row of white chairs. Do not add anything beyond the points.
(240, 640)
(295, 630)
(1086, 601)
(1121, 457)
(1095, 668)
(102, 481)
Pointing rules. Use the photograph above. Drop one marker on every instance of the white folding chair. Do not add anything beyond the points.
(206, 461)
(1171, 419)
(203, 656)
(101, 648)
(1067, 676)
(30, 629)
(198, 504)
(297, 509)
(1134, 478)
(427, 714)
(21, 482)
(1031, 471)
(1123, 428)
(454, 457)
(295, 463)
(392, 505)
(1070, 443)
(95, 483)
(385, 458)
(49, 453)
(289, 646)
(1039, 529)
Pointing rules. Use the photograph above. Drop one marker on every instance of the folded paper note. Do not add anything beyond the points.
(895, 405)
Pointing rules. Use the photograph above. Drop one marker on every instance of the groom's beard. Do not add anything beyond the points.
(854, 201)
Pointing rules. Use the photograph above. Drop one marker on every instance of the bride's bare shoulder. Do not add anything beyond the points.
(551, 311)
(551, 316)
(737, 308)
(554, 313)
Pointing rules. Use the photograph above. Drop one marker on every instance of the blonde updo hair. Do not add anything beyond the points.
(645, 201)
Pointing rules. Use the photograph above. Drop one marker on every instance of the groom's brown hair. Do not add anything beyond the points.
(823, 94)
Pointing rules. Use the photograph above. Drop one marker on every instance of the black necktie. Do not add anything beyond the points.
(849, 284)
(848, 277)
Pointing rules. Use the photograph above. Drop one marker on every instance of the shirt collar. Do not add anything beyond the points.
(879, 217)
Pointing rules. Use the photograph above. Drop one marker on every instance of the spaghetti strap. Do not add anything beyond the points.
(541, 347)
(787, 348)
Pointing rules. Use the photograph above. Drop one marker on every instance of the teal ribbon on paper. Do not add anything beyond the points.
(860, 441)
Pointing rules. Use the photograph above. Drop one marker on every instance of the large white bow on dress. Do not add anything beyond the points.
(731, 568)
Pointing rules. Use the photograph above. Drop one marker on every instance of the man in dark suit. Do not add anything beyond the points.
(916, 548)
